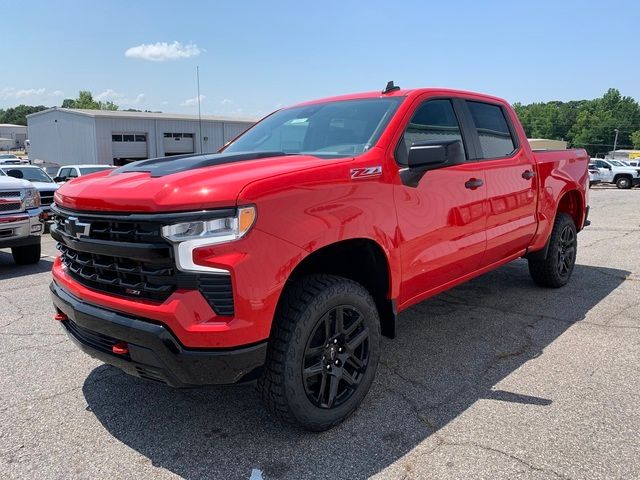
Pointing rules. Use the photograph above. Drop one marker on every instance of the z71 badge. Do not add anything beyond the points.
(366, 172)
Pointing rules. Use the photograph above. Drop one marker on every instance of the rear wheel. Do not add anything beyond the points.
(27, 254)
(623, 183)
(323, 352)
(555, 269)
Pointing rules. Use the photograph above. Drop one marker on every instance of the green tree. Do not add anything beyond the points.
(18, 115)
(86, 101)
(635, 139)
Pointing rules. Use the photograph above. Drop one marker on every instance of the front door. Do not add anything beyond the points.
(441, 220)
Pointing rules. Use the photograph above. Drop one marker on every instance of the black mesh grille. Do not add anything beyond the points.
(10, 206)
(46, 198)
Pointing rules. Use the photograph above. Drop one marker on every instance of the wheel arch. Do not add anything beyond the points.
(362, 260)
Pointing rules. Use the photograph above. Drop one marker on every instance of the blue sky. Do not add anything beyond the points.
(257, 56)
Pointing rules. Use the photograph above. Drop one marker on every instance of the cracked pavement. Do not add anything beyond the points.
(494, 379)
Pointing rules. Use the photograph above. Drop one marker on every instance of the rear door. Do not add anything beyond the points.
(441, 220)
(511, 181)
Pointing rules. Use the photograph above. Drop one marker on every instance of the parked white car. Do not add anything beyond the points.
(614, 171)
(69, 172)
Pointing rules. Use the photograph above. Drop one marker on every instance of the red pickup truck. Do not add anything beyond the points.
(286, 256)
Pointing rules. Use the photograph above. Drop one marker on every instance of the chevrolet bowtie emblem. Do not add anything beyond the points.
(75, 228)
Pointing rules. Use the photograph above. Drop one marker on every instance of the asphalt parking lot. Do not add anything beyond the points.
(495, 379)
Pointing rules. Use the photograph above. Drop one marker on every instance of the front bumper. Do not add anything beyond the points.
(154, 352)
(21, 229)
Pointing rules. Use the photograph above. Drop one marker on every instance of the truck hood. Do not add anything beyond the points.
(9, 183)
(178, 183)
(45, 186)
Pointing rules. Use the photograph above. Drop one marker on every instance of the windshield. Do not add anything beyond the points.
(31, 174)
(8, 156)
(88, 170)
(327, 130)
(616, 163)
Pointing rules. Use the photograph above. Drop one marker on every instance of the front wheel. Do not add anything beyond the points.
(555, 269)
(27, 254)
(623, 183)
(323, 352)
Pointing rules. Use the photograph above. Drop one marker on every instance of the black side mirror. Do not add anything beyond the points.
(425, 156)
(58, 179)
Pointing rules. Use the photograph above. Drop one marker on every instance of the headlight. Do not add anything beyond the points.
(31, 198)
(188, 236)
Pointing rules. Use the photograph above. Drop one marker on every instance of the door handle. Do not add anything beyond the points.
(473, 183)
(528, 174)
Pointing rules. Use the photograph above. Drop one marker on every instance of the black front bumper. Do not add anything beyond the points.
(154, 352)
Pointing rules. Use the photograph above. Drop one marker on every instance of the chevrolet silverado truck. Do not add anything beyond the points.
(285, 256)
(20, 223)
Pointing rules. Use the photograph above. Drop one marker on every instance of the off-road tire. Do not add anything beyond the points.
(305, 303)
(549, 272)
(26, 255)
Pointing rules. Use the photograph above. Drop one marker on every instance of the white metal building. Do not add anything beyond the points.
(69, 136)
(13, 136)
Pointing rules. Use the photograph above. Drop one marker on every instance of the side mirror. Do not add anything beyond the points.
(425, 156)
(430, 155)
(59, 179)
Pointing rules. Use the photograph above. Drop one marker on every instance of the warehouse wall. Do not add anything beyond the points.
(62, 138)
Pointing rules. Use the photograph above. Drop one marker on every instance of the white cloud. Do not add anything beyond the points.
(226, 101)
(161, 51)
(29, 94)
(109, 95)
(189, 102)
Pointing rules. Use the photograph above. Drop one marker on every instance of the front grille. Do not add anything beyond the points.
(129, 258)
(93, 339)
(10, 193)
(10, 206)
(46, 198)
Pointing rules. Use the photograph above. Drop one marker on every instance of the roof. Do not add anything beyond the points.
(142, 115)
(402, 93)
(12, 125)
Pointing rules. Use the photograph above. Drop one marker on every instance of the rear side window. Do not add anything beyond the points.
(434, 120)
(495, 137)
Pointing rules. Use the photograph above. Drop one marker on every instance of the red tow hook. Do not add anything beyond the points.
(60, 317)
(120, 348)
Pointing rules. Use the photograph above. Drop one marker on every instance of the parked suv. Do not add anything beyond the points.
(20, 224)
(286, 256)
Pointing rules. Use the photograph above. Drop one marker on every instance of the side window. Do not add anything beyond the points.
(434, 120)
(64, 173)
(73, 173)
(493, 130)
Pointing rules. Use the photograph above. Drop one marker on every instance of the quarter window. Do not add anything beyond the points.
(434, 121)
(495, 137)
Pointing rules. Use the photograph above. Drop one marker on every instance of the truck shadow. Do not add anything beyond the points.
(451, 351)
(8, 268)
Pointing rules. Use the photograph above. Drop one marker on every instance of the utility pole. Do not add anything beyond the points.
(200, 115)
(615, 144)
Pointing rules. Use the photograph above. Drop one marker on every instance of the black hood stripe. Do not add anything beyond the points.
(159, 167)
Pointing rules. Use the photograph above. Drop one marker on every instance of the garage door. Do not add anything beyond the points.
(129, 145)
(178, 143)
